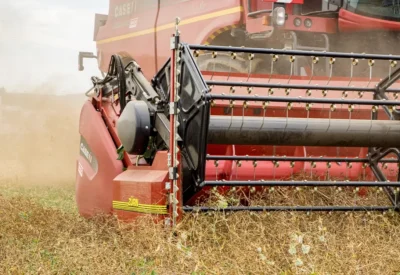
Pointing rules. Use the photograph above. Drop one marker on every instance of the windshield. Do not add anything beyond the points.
(383, 9)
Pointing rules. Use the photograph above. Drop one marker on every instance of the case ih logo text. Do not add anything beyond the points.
(86, 153)
(125, 9)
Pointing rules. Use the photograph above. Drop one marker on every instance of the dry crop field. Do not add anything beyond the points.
(41, 232)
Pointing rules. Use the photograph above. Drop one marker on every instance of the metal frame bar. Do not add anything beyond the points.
(303, 100)
(297, 46)
(291, 208)
(251, 13)
(299, 159)
(174, 155)
(303, 183)
(373, 158)
(376, 155)
(293, 52)
(295, 86)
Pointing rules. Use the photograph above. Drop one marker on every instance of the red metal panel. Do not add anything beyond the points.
(134, 33)
(286, 1)
(349, 21)
(199, 20)
(94, 188)
(256, 25)
(146, 184)
(126, 17)
(261, 5)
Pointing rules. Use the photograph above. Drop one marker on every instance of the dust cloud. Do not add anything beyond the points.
(39, 137)
(39, 111)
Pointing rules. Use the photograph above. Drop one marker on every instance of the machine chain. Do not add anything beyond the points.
(173, 171)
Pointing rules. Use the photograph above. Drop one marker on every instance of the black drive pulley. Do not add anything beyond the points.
(134, 127)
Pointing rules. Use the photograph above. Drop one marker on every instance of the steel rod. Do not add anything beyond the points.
(252, 130)
(303, 183)
(292, 52)
(290, 208)
(303, 100)
(383, 86)
(294, 86)
(254, 13)
(300, 159)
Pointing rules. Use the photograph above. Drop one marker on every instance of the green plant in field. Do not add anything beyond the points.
(57, 197)
(24, 216)
(49, 256)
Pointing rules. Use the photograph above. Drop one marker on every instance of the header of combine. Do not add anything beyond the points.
(189, 133)
(241, 124)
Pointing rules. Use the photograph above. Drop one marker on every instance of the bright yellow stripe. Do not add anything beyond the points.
(141, 208)
(138, 210)
(143, 211)
(172, 25)
(140, 205)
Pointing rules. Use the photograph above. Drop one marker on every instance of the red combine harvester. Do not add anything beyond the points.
(219, 101)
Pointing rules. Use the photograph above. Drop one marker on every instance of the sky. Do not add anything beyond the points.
(40, 41)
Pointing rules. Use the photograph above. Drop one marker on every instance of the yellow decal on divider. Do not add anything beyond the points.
(133, 202)
(133, 205)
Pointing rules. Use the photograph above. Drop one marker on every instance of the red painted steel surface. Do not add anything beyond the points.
(94, 186)
(134, 33)
(144, 183)
(286, 1)
(256, 25)
(349, 21)
(257, 5)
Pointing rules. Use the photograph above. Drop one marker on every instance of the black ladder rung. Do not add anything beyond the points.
(299, 159)
(290, 208)
(299, 99)
(303, 183)
(292, 52)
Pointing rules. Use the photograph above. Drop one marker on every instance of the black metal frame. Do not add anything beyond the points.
(376, 155)
(294, 86)
(300, 100)
(255, 13)
(293, 52)
(268, 183)
(301, 159)
(292, 208)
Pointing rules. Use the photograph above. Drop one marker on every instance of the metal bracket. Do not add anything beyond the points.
(173, 108)
(173, 173)
(175, 40)
(375, 155)
(296, 46)
(83, 55)
(173, 43)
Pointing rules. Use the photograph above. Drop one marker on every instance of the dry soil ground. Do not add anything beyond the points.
(41, 232)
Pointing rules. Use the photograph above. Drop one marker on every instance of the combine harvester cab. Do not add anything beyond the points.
(256, 142)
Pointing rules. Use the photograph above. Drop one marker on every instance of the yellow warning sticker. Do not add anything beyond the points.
(133, 205)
